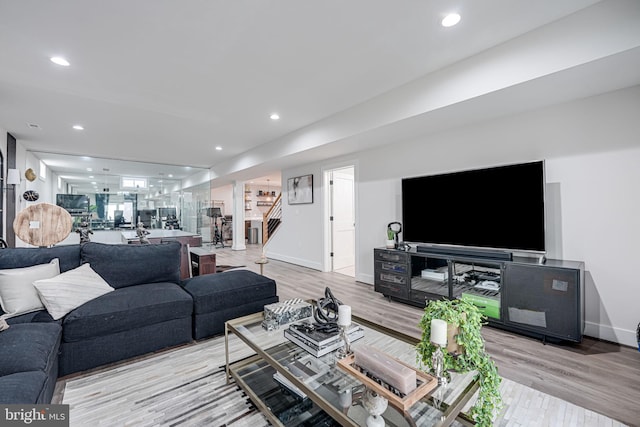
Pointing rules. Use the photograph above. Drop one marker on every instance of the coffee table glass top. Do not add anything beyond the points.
(332, 390)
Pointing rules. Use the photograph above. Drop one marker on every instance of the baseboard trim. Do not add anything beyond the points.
(609, 333)
(366, 278)
(293, 260)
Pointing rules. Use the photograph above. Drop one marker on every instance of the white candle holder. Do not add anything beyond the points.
(345, 349)
(439, 339)
(344, 322)
(437, 364)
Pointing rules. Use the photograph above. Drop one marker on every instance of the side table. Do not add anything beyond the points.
(202, 261)
(262, 261)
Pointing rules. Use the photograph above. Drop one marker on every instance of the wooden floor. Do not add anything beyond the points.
(601, 376)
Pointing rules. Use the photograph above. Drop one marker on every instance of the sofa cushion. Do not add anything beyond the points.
(29, 347)
(69, 256)
(69, 290)
(127, 308)
(99, 350)
(35, 316)
(213, 292)
(128, 265)
(22, 387)
(17, 293)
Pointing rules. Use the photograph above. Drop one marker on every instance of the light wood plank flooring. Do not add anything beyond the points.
(597, 375)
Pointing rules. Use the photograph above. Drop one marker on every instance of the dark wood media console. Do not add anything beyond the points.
(521, 295)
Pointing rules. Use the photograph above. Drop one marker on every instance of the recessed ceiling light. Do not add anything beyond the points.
(78, 127)
(219, 148)
(60, 61)
(89, 170)
(450, 20)
(274, 116)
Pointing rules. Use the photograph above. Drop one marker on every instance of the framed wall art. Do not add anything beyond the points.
(300, 189)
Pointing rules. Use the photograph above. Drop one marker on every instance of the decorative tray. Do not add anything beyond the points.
(426, 383)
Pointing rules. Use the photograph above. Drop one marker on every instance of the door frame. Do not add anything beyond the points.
(327, 212)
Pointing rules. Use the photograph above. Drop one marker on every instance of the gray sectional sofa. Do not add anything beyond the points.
(148, 309)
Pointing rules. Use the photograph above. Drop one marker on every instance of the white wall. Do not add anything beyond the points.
(592, 153)
(3, 150)
(299, 239)
(600, 225)
(224, 194)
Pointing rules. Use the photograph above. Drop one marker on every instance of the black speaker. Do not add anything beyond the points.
(545, 300)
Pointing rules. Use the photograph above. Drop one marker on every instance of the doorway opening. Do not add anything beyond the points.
(342, 219)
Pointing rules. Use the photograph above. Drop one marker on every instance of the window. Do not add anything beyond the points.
(43, 171)
(126, 182)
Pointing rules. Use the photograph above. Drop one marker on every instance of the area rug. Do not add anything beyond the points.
(180, 387)
(187, 387)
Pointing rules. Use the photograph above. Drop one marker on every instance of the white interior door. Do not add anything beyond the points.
(343, 224)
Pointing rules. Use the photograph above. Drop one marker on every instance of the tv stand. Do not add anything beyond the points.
(469, 252)
(519, 294)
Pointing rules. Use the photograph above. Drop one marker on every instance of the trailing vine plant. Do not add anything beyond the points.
(474, 357)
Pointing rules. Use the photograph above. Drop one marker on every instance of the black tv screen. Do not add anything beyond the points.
(500, 208)
(74, 203)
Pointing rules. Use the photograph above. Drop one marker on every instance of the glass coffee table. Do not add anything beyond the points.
(291, 387)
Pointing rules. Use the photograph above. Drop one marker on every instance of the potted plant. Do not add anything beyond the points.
(468, 319)
(391, 239)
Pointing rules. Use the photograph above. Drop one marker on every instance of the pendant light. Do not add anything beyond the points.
(268, 191)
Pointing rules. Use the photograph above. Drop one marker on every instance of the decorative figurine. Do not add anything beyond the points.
(375, 406)
(84, 231)
(30, 195)
(141, 232)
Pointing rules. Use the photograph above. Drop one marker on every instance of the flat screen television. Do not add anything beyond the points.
(499, 208)
(77, 204)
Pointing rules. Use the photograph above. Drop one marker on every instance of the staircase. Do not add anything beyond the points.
(271, 219)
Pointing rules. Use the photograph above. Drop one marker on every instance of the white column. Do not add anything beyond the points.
(238, 217)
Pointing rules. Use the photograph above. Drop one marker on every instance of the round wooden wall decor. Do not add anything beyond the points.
(30, 195)
(30, 174)
(43, 224)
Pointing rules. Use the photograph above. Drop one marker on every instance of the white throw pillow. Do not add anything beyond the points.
(70, 290)
(17, 294)
(3, 324)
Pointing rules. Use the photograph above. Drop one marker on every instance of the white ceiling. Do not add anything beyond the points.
(162, 81)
